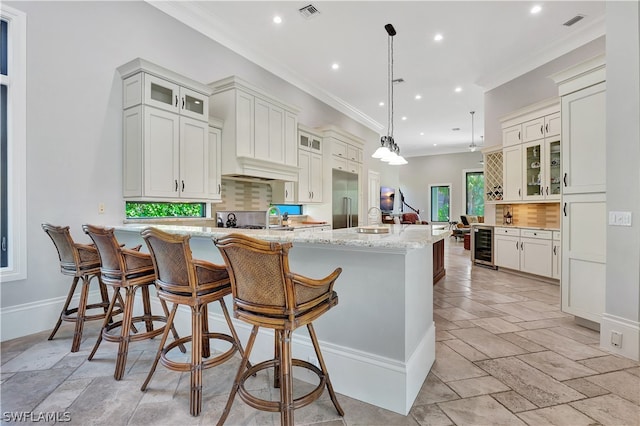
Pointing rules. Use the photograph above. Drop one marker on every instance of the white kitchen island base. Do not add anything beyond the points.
(379, 341)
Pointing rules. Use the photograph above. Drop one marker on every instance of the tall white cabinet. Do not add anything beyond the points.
(584, 217)
(166, 148)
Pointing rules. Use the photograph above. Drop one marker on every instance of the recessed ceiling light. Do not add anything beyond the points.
(536, 9)
(277, 20)
(418, 97)
(435, 144)
(458, 89)
(438, 37)
(404, 118)
(421, 133)
(455, 129)
(335, 66)
(381, 104)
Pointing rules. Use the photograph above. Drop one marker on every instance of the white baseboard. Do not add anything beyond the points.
(630, 331)
(353, 373)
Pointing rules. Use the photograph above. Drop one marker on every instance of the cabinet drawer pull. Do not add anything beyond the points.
(518, 134)
(519, 192)
(546, 128)
(547, 190)
(564, 209)
(182, 186)
(176, 100)
(219, 188)
(176, 181)
(521, 246)
(516, 245)
(565, 180)
(542, 130)
(554, 250)
(182, 103)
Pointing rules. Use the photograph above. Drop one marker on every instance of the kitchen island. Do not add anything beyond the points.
(379, 341)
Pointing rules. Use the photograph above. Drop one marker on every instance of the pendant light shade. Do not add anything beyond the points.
(389, 151)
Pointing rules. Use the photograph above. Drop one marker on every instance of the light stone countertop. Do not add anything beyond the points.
(399, 236)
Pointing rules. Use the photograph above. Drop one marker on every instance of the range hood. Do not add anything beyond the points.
(259, 134)
(248, 178)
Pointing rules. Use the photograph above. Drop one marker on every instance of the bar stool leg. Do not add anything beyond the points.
(123, 345)
(234, 334)
(286, 379)
(196, 359)
(80, 315)
(323, 367)
(236, 382)
(107, 320)
(183, 349)
(163, 341)
(72, 290)
(276, 355)
(104, 294)
(146, 305)
(206, 346)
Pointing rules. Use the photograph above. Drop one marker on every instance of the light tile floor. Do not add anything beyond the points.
(505, 354)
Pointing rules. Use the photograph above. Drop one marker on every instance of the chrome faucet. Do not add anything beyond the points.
(268, 216)
(376, 219)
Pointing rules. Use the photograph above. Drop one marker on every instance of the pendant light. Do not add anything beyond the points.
(472, 146)
(389, 151)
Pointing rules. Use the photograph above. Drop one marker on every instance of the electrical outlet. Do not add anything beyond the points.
(616, 339)
(100, 208)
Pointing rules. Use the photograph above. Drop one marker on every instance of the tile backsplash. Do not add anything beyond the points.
(543, 215)
(241, 195)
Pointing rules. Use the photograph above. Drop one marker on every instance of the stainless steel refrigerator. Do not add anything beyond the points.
(345, 199)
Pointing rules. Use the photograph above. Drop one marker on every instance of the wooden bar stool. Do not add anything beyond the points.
(267, 294)
(128, 270)
(80, 261)
(182, 280)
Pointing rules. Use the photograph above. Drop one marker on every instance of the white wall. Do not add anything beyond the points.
(421, 172)
(74, 123)
(622, 300)
(530, 88)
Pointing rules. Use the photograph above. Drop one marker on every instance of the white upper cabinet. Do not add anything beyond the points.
(584, 140)
(311, 163)
(260, 132)
(166, 148)
(531, 153)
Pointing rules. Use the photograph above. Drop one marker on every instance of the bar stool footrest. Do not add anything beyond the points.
(274, 406)
(211, 362)
(142, 335)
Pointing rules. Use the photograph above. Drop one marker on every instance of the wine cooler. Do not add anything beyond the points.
(482, 245)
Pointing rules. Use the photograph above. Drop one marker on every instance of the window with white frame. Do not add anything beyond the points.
(440, 202)
(13, 250)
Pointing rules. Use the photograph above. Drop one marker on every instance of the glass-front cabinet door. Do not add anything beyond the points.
(161, 93)
(553, 172)
(194, 104)
(533, 157)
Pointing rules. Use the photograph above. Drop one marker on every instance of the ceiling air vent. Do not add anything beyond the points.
(573, 20)
(309, 11)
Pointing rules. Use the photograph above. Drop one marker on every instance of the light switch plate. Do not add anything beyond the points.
(619, 218)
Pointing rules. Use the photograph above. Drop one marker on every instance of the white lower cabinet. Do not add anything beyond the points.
(584, 256)
(525, 250)
(507, 248)
(556, 262)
